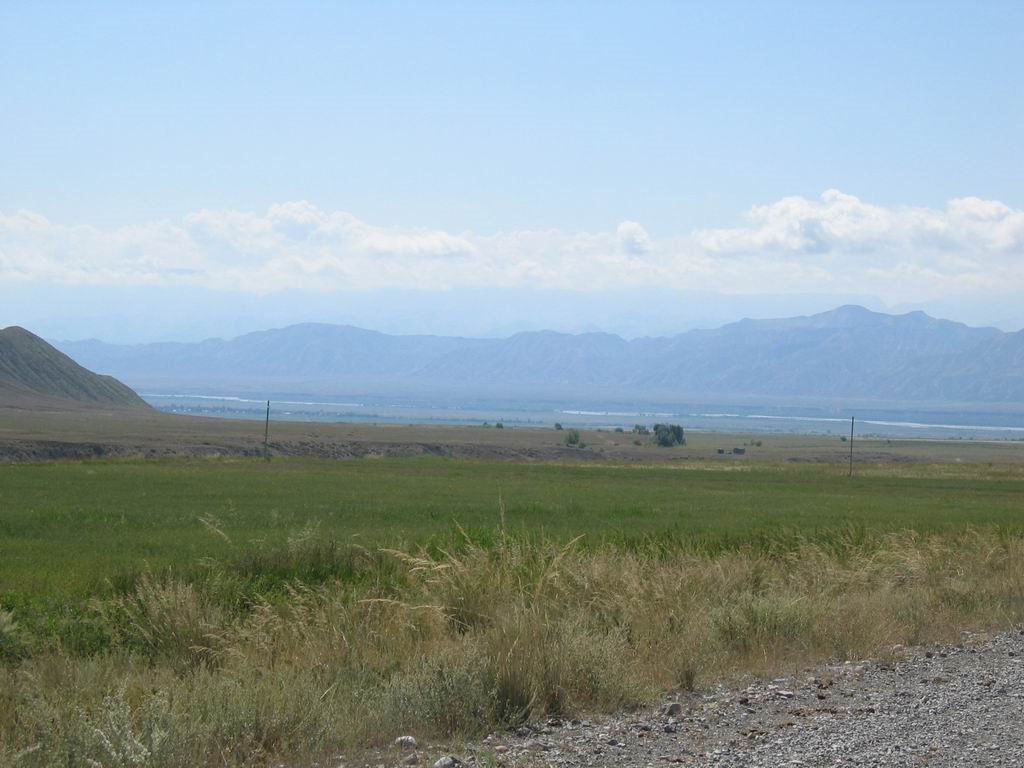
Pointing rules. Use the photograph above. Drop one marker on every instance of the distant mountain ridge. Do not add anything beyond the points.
(849, 352)
(34, 373)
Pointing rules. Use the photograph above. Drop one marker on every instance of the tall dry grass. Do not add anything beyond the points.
(199, 669)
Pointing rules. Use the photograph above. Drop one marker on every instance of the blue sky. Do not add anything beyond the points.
(460, 122)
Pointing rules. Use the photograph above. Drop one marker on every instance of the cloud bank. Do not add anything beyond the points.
(834, 243)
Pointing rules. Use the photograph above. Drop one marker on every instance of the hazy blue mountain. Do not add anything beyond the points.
(537, 359)
(849, 352)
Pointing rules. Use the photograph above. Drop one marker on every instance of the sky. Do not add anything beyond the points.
(276, 162)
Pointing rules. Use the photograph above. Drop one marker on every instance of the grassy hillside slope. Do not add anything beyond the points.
(34, 373)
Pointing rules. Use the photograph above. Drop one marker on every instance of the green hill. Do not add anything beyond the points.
(34, 374)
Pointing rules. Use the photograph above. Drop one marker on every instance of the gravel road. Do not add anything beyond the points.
(944, 706)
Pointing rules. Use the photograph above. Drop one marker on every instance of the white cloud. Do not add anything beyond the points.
(633, 238)
(836, 222)
(840, 223)
(989, 223)
(834, 243)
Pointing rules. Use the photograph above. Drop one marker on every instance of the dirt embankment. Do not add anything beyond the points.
(55, 450)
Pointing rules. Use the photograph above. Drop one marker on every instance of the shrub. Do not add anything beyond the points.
(668, 435)
(164, 619)
(499, 425)
(572, 437)
(640, 429)
(558, 426)
(751, 620)
(11, 644)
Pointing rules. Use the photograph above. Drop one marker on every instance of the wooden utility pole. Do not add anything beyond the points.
(266, 434)
(852, 418)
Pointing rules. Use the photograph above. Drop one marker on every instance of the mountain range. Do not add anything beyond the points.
(34, 374)
(849, 352)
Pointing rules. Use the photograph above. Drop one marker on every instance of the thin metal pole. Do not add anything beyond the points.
(266, 434)
(852, 418)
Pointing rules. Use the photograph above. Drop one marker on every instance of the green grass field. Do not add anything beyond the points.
(242, 614)
(67, 526)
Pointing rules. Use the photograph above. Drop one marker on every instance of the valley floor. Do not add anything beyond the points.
(41, 434)
(234, 612)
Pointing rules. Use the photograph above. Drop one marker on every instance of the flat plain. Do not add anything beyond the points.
(175, 598)
(72, 524)
(42, 433)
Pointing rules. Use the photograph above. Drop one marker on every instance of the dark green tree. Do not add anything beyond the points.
(668, 435)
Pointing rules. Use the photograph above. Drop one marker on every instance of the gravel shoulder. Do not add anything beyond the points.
(960, 705)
